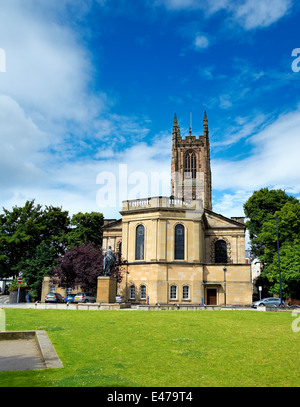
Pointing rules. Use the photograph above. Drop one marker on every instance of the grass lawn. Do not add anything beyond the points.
(162, 348)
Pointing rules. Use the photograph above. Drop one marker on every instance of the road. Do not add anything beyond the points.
(4, 299)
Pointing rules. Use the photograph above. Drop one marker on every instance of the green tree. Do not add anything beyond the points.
(19, 233)
(258, 209)
(290, 270)
(288, 219)
(44, 258)
(31, 240)
(86, 228)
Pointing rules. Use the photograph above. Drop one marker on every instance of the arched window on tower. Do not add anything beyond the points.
(220, 251)
(179, 242)
(190, 165)
(140, 242)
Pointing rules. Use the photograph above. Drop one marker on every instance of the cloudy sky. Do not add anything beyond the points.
(89, 88)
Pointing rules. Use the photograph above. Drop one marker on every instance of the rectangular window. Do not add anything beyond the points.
(185, 292)
(52, 289)
(173, 292)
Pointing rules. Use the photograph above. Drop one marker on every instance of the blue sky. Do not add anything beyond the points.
(90, 89)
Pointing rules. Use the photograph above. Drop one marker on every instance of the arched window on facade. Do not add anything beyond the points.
(140, 242)
(179, 242)
(190, 165)
(220, 251)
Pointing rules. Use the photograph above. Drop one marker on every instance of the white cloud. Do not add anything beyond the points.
(244, 127)
(201, 41)
(261, 13)
(250, 14)
(231, 204)
(49, 117)
(178, 4)
(273, 160)
(44, 92)
(47, 69)
(225, 101)
(21, 142)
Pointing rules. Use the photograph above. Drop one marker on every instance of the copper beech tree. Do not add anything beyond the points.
(81, 266)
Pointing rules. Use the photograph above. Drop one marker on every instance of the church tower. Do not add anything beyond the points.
(190, 166)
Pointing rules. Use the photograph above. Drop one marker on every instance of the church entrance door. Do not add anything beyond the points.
(211, 296)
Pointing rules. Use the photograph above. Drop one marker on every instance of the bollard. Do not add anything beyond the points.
(2, 320)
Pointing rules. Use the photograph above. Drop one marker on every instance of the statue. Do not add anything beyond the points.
(109, 261)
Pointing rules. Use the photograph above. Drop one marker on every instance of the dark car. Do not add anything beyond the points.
(70, 298)
(84, 297)
(54, 297)
(268, 302)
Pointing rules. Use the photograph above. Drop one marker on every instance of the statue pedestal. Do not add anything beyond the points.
(106, 289)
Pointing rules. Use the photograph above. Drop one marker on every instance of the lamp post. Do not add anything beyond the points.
(224, 269)
(278, 259)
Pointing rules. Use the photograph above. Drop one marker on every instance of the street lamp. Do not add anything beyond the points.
(224, 269)
(278, 258)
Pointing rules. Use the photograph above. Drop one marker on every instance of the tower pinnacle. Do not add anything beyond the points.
(205, 125)
(175, 121)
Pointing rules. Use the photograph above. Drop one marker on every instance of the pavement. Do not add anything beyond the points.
(27, 350)
(4, 299)
(20, 354)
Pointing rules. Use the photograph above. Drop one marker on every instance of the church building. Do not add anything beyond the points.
(179, 251)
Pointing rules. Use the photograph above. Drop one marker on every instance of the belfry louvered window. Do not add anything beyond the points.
(190, 166)
(140, 242)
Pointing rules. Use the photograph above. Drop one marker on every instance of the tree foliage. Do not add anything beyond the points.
(81, 266)
(290, 270)
(260, 208)
(23, 229)
(33, 238)
(86, 228)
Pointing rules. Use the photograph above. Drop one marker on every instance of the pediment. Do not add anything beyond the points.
(215, 220)
(113, 224)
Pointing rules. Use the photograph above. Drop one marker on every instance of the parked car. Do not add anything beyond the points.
(84, 297)
(70, 298)
(53, 297)
(119, 298)
(268, 302)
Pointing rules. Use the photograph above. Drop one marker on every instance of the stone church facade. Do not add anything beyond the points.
(179, 251)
